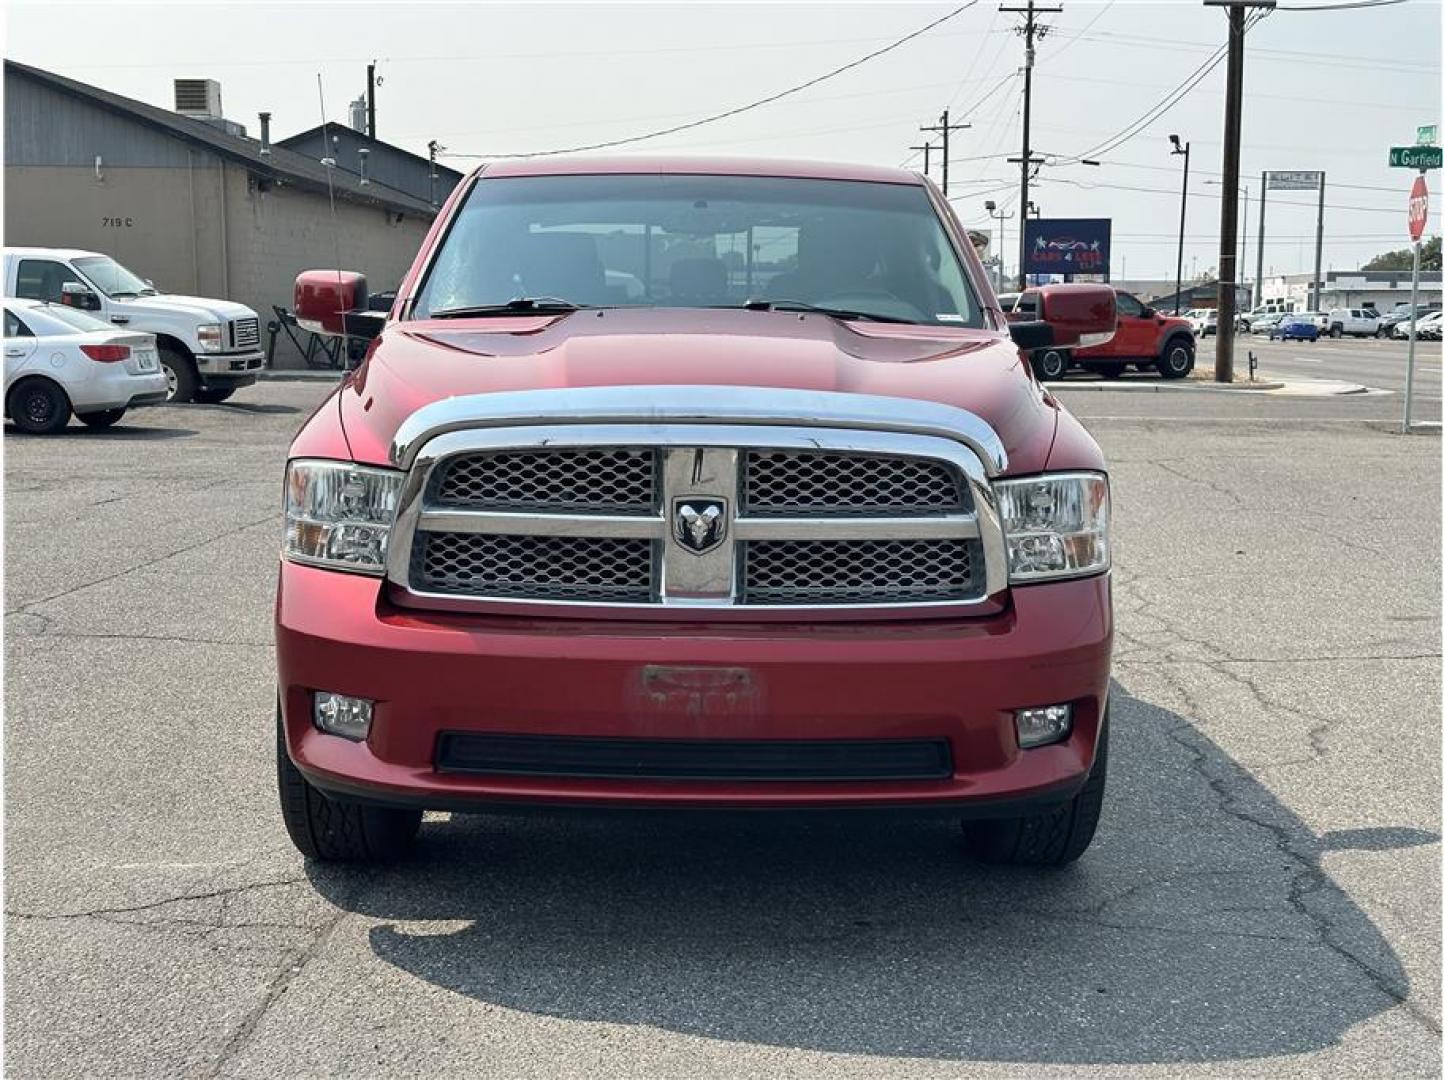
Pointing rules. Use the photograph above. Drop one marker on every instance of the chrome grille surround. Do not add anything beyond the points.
(880, 557)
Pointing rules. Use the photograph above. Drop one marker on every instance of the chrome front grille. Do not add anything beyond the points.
(618, 480)
(579, 568)
(245, 333)
(857, 571)
(821, 483)
(688, 517)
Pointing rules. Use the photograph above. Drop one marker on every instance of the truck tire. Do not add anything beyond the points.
(214, 395)
(1050, 364)
(100, 420)
(38, 406)
(1055, 837)
(337, 830)
(1336, 331)
(180, 375)
(1176, 360)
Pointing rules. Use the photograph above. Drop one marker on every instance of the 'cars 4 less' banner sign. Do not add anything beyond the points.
(1067, 245)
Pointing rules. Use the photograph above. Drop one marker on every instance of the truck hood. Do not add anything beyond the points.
(414, 364)
(199, 308)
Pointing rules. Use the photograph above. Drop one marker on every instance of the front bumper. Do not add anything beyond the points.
(230, 369)
(431, 673)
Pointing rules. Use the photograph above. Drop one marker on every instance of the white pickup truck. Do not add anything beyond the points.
(208, 348)
(1356, 322)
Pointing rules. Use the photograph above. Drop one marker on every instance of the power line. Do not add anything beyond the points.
(740, 108)
(1337, 7)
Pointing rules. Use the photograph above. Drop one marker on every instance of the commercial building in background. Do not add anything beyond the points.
(381, 162)
(1379, 289)
(186, 199)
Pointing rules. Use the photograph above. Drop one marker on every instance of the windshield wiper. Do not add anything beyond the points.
(836, 313)
(520, 305)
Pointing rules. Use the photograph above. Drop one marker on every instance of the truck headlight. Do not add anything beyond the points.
(1056, 525)
(208, 336)
(339, 515)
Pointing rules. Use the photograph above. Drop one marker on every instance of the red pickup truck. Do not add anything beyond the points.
(1145, 339)
(694, 483)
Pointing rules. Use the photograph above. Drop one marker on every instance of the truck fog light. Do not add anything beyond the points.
(1038, 727)
(348, 717)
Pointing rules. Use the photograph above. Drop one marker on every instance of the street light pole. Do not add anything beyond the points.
(1180, 147)
(1000, 217)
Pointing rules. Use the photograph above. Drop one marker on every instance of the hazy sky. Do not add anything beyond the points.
(1327, 90)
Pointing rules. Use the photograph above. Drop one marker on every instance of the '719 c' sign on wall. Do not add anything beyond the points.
(1067, 245)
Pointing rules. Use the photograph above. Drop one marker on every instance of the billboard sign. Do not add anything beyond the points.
(1067, 245)
(1294, 181)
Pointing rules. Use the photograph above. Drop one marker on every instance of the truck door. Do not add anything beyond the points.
(1135, 335)
(45, 279)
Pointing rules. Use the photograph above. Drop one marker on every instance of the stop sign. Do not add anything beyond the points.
(1418, 208)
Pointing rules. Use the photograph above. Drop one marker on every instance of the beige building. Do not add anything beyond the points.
(189, 201)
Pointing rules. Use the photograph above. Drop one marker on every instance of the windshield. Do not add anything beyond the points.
(111, 278)
(871, 249)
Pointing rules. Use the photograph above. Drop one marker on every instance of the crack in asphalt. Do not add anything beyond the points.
(1309, 879)
(24, 609)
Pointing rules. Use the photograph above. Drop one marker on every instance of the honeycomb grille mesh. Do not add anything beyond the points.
(822, 484)
(604, 569)
(858, 571)
(601, 480)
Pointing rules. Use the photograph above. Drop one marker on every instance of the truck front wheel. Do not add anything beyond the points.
(1176, 361)
(180, 375)
(1050, 364)
(1055, 837)
(338, 830)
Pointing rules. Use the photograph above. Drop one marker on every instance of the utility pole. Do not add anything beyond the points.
(1228, 218)
(1030, 30)
(433, 148)
(371, 99)
(1180, 147)
(944, 127)
(927, 149)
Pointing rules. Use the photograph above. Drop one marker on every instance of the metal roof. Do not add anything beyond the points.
(366, 140)
(280, 165)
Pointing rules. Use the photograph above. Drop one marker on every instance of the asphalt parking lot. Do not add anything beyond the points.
(1263, 898)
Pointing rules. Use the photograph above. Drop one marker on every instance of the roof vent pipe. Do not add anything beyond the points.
(265, 134)
(365, 177)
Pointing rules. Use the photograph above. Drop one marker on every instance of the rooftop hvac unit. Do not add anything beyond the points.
(198, 98)
(358, 115)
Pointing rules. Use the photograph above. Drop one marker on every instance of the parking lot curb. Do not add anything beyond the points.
(1140, 387)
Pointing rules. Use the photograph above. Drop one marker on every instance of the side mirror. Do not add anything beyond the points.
(1069, 317)
(323, 299)
(1148, 312)
(73, 294)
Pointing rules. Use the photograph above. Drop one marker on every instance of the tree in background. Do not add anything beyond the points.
(1403, 259)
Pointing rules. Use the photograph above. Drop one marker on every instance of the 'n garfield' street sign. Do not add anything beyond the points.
(1416, 157)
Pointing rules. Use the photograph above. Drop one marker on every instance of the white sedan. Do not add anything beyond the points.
(60, 361)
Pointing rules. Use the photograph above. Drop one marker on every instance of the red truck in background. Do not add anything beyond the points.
(1145, 339)
(694, 483)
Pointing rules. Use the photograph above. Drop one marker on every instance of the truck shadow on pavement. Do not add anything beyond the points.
(1199, 927)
